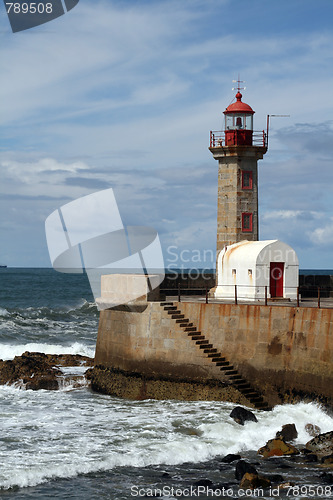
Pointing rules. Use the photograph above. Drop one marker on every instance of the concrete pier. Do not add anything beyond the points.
(285, 353)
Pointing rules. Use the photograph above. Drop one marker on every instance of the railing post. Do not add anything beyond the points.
(318, 297)
(236, 295)
(206, 295)
(266, 295)
(298, 296)
(178, 292)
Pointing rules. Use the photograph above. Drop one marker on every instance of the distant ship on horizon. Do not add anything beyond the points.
(2, 266)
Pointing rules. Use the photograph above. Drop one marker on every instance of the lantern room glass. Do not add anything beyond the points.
(238, 121)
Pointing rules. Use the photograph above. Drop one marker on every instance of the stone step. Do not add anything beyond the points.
(203, 342)
(251, 395)
(247, 390)
(226, 367)
(174, 311)
(190, 329)
(230, 372)
(205, 346)
(197, 337)
(258, 399)
(179, 321)
(166, 304)
(185, 322)
(242, 384)
(214, 354)
(211, 350)
(177, 316)
(170, 308)
(220, 361)
(235, 377)
(192, 333)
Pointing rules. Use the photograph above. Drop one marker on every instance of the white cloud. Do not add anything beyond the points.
(323, 236)
(290, 214)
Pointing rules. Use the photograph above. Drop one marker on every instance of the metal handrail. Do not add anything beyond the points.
(238, 295)
(217, 138)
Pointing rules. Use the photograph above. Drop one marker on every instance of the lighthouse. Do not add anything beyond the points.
(244, 265)
(237, 149)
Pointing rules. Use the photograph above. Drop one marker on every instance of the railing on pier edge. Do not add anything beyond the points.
(217, 138)
(237, 295)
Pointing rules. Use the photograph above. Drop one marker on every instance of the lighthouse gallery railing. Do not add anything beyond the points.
(217, 138)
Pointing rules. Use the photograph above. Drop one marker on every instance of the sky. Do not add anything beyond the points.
(123, 94)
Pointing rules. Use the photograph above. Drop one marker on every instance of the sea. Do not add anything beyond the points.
(77, 444)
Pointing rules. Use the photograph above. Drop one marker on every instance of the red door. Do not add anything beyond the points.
(276, 279)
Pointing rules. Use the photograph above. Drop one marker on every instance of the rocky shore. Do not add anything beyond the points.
(35, 370)
(317, 451)
(253, 470)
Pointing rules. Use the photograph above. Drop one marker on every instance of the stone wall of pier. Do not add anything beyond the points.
(285, 352)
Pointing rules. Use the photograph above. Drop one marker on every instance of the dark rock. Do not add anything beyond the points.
(241, 415)
(275, 478)
(230, 458)
(88, 373)
(305, 451)
(36, 370)
(242, 467)
(48, 383)
(322, 444)
(207, 483)
(326, 477)
(288, 432)
(252, 481)
(70, 360)
(327, 460)
(312, 430)
(311, 457)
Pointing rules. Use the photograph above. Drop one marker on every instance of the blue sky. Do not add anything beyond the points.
(123, 94)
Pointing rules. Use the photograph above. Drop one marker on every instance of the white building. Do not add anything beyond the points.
(254, 265)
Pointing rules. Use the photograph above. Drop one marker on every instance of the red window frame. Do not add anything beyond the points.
(250, 174)
(247, 222)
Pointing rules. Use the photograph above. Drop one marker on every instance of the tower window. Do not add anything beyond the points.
(247, 222)
(247, 179)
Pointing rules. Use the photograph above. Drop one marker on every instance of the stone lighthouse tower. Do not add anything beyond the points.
(237, 149)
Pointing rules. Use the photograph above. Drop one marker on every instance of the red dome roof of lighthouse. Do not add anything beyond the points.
(239, 106)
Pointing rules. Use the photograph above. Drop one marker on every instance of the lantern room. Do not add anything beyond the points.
(238, 123)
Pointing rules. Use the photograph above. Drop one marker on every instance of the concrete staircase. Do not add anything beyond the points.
(211, 352)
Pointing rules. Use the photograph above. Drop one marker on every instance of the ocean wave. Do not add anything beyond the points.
(77, 436)
(49, 325)
(9, 351)
(44, 312)
(4, 312)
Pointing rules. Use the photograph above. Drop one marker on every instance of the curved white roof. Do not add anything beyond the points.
(256, 253)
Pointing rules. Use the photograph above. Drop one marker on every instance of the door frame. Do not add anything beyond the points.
(276, 279)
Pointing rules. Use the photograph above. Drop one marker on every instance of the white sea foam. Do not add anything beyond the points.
(3, 312)
(9, 351)
(63, 434)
